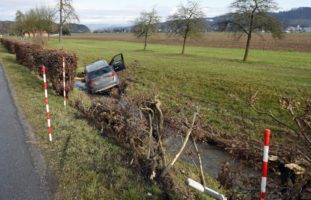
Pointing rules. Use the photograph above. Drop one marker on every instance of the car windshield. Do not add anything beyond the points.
(99, 72)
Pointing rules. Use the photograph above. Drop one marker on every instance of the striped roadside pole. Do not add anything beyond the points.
(48, 115)
(64, 81)
(265, 165)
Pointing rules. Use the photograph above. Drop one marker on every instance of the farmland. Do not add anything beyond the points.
(290, 42)
(213, 78)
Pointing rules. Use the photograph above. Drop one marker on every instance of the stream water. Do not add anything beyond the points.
(80, 85)
(213, 158)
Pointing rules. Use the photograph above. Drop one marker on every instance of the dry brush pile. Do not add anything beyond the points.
(34, 56)
(138, 125)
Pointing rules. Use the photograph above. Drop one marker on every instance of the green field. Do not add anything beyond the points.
(214, 78)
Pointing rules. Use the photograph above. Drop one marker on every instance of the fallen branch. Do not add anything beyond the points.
(200, 162)
(150, 135)
(170, 165)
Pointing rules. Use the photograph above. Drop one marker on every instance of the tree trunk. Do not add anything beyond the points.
(249, 37)
(184, 44)
(60, 36)
(146, 36)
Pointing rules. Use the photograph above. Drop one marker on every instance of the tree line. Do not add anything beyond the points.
(33, 21)
(248, 16)
(43, 19)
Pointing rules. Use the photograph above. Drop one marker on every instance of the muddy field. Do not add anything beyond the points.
(290, 42)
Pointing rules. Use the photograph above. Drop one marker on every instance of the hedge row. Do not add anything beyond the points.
(8, 44)
(34, 56)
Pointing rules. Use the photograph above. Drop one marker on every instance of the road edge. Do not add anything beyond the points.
(37, 157)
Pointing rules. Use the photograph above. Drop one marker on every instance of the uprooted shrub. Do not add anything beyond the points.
(136, 124)
(33, 56)
(121, 120)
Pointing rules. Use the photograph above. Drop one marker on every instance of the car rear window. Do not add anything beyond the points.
(99, 72)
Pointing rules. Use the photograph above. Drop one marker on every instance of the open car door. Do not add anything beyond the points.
(117, 62)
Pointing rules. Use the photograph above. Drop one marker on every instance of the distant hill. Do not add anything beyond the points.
(298, 16)
(294, 17)
(5, 27)
(78, 28)
(114, 29)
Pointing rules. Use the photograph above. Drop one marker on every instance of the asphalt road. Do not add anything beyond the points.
(18, 175)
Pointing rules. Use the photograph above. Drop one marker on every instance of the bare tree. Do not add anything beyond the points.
(19, 23)
(30, 22)
(34, 21)
(45, 19)
(67, 14)
(187, 22)
(146, 25)
(252, 16)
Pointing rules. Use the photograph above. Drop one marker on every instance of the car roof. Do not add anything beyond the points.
(96, 65)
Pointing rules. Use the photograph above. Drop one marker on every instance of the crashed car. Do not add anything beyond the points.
(101, 76)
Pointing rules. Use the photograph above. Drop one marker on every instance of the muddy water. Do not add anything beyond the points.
(213, 158)
(80, 85)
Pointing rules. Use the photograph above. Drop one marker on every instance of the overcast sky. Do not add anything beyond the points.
(123, 12)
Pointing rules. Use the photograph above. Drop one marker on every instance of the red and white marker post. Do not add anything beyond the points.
(265, 165)
(48, 115)
(64, 81)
